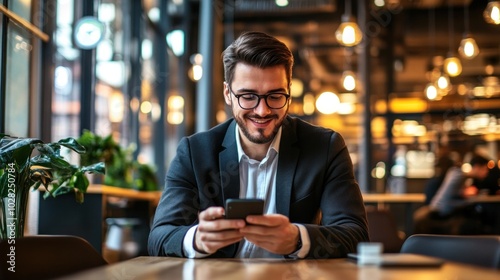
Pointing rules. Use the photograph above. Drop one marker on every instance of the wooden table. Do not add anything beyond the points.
(411, 200)
(230, 269)
(484, 199)
(382, 198)
(152, 196)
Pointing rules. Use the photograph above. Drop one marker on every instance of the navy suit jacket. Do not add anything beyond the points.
(315, 175)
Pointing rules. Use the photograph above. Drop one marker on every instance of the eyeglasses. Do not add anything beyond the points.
(249, 101)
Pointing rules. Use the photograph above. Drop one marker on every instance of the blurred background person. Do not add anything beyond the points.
(443, 163)
(449, 212)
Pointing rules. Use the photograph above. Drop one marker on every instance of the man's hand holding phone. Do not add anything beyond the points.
(215, 232)
(243, 218)
(272, 232)
(219, 227)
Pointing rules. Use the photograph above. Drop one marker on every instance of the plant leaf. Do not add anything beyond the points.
(95, 168)
(72, 144)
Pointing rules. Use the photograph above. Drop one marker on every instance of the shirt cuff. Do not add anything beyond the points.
(188, 247)
(306, 244)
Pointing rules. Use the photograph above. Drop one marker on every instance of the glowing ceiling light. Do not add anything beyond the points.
(492, 12)
(443, 82)
(468, 48)
(452, 66)
(431, 91)
(348, 34)
(327, 103)
(348, 80)
(281, 3)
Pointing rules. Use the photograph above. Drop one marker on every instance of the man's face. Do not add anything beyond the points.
(480, 171)
(260, 124)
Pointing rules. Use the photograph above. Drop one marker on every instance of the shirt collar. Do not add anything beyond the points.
(275, 144)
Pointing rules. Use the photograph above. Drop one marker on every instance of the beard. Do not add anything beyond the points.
(259, 138)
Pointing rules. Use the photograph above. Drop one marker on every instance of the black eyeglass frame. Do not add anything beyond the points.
(259, 97)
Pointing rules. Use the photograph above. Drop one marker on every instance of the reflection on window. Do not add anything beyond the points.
(17, 80)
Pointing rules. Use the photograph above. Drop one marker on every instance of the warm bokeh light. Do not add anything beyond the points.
(348, 80)
(408, 105)
(134, 104)
(348, 34)
(116, 107)
(296, 88)
(379, 170)
(175, 118)
(175, 102)
(146, 107)
(468, 48)
(443, 82)
(327, 103)
(452, 66)
(308, 106)
(431, 91)
(196, 72)
(281, 3)
(155, 111)
(492, 12)
(175, 105)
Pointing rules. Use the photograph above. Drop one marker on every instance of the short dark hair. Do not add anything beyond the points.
(257, 49)
(478, 160)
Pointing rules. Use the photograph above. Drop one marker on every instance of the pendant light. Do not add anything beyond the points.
(431, 91)
(443, 83)
(468, 47)
(349, 80)
(492, 12)
(452, 65)
(348, 76)
(348, 34)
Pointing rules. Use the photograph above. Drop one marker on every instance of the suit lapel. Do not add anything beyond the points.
(287, 162)
(228, 165)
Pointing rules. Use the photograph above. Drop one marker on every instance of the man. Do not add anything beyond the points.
(449, 212)
(450, 196)
(300, 170)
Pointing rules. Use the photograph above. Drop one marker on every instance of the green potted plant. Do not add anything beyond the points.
(27, 163)
(121, 169)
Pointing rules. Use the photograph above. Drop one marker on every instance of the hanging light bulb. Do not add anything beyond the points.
(492, 12)
(349, 80)
(452, 66)
(443, 82)
(431, 91)
(468, 48)
(348, 34)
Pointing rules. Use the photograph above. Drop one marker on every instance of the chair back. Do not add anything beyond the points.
(480, 250)
(382, 228)
(46, 256)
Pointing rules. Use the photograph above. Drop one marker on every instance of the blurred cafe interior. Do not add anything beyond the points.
(404, 81)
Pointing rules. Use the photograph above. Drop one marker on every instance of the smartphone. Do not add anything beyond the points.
(242, 207)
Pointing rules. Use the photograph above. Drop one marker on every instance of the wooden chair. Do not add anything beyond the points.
(480, 250)
(47, 256)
